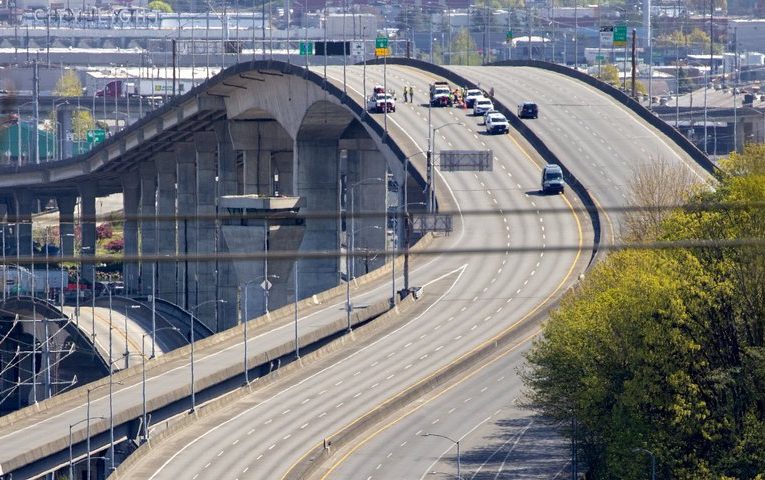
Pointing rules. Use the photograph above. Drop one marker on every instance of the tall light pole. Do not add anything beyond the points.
(297, 343)
(406, 217)
(127, 351)
(71, 459)
(191, 328)
(653, 460)
(366, 181)
(87, 425)
(246, 318)
(457, 443)
(431, 187)
(145, 436)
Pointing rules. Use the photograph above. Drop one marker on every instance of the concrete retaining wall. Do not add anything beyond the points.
(367, 330)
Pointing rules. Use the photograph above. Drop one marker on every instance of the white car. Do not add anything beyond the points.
(486, 115)
(470, 96)
(497, 123)
(482, 105)
(379, 102)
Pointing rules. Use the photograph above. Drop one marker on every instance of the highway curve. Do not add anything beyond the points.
(470, 298)
(601, 142)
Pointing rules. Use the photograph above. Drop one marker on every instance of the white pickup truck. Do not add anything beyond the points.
(380, 101)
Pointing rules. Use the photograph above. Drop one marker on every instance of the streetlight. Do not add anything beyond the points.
(456, 442)
(431, 187)
(366, 256)
(406, 215)
(127, 351)
(87, 418)
(58, 147)
(653, 460)
(191, 328)
(111, 412)
(366, 181)
(348, 247)
(143, 377)
(71, 460)
(246, 318)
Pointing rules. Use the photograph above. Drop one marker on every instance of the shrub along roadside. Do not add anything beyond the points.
(665, 349)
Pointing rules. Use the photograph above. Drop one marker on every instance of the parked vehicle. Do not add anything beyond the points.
(482, 105)
(381, 102)
(486, 115)
(439, 94)
(552, 179)
(497, 123)
(470, 95)
(528, 110)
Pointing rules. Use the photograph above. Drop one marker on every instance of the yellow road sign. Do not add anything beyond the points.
(382, 52)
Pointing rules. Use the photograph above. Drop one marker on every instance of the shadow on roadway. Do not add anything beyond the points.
(527, 447)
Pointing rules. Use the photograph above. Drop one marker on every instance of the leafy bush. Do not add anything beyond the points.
(105, 230)
(115, 246)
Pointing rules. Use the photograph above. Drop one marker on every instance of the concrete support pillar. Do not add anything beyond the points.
(88, 229)
(23, 220)
(66, 205)
(187, 225)
(243, 136)
(131, 198)
(204, 243)
(147, 225)
(317, 181)
(228, 176)
(167, 283)
(250, 172)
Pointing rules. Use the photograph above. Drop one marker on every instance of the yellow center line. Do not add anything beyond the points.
(458, 359)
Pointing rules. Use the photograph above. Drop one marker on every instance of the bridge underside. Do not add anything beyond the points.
(261, 161)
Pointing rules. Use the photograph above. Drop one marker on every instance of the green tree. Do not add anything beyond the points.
(665, 349)
(68, 85)
(464, 50)
(160, 6)
(610, 74)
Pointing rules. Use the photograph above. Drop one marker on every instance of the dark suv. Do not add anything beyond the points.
(528, 110)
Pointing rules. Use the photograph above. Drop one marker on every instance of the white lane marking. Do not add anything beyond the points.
(460, 271)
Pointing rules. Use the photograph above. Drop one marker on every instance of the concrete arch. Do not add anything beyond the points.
(71, 351)
(221, 147)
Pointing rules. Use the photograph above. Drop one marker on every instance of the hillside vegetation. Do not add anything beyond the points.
(664, 349)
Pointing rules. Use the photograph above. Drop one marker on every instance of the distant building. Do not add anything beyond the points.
(746, 34)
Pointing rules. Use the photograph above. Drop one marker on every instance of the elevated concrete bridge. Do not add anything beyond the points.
(258, 139)
(262, 139)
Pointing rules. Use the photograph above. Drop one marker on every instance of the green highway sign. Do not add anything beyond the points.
(599, 58)
(509, 35)
(306, 48)
(381, 42)
(620, 35)
(95, 136)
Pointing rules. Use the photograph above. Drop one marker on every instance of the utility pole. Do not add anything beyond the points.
(175, 63)
(36, 87)
(634, 60)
